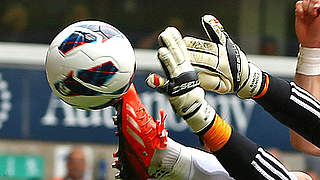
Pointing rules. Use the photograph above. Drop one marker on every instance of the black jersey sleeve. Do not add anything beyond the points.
(294, 107)
(244, 160)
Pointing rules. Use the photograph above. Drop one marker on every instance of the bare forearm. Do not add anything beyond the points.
(302, 144)
(309, 83)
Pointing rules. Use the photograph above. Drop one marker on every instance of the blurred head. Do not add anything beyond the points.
(268, 47)
(176, 22)
(79, 12)
(16, 18)
(76, 164)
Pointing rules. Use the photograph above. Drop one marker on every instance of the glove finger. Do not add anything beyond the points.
(161, 41)
(167, 62)
(172, 39)
(157, 82)
(203, 54)
(214, 82)
(214, 29)
(201, 45)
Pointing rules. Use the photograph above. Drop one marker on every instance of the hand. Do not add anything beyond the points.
(224, 68)
(174, 58)
(182, 86)
(308, 23)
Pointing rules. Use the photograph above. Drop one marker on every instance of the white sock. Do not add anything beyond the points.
(179, 162)
(163, 161)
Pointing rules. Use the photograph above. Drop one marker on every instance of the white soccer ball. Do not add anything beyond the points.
(90, 65)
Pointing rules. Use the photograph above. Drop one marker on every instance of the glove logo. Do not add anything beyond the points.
(180, 89)
(238, 61)
(234, 62)
(254, 83)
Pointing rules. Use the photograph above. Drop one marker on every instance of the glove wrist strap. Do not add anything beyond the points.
(183, 83)
(264, 87)
(202, 119)
(252, 85)
(194, 109)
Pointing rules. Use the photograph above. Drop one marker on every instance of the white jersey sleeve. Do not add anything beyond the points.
(194, 164)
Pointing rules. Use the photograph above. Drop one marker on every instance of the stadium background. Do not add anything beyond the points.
(37, 129)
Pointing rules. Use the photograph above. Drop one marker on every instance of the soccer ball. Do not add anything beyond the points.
(90, 65)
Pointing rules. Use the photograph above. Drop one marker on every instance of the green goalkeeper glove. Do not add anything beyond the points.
(224, 68)
(182, 86)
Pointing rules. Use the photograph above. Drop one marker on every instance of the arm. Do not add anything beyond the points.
(308, 31)
(287, 102)
(241, 157)
(302, 144)
(294, 107)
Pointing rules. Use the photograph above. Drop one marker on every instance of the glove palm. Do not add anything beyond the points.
(224, 68)
(182, 86)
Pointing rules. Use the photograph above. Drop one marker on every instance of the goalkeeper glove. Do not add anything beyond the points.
(182, 86)
(224, 68)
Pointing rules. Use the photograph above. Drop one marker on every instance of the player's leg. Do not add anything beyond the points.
(139, 136)
(145, 150)
(180, 163)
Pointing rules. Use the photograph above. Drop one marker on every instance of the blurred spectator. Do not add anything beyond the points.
(268, 46)
(76, 13)
(76, 165)
(150, 41)
(101, 168)
(15, 21)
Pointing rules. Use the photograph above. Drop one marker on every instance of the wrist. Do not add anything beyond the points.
(264, 86)
(311, 45)
(253, 84)
(183, 83)
(308, 61)
(194, 109)
(201, 120)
